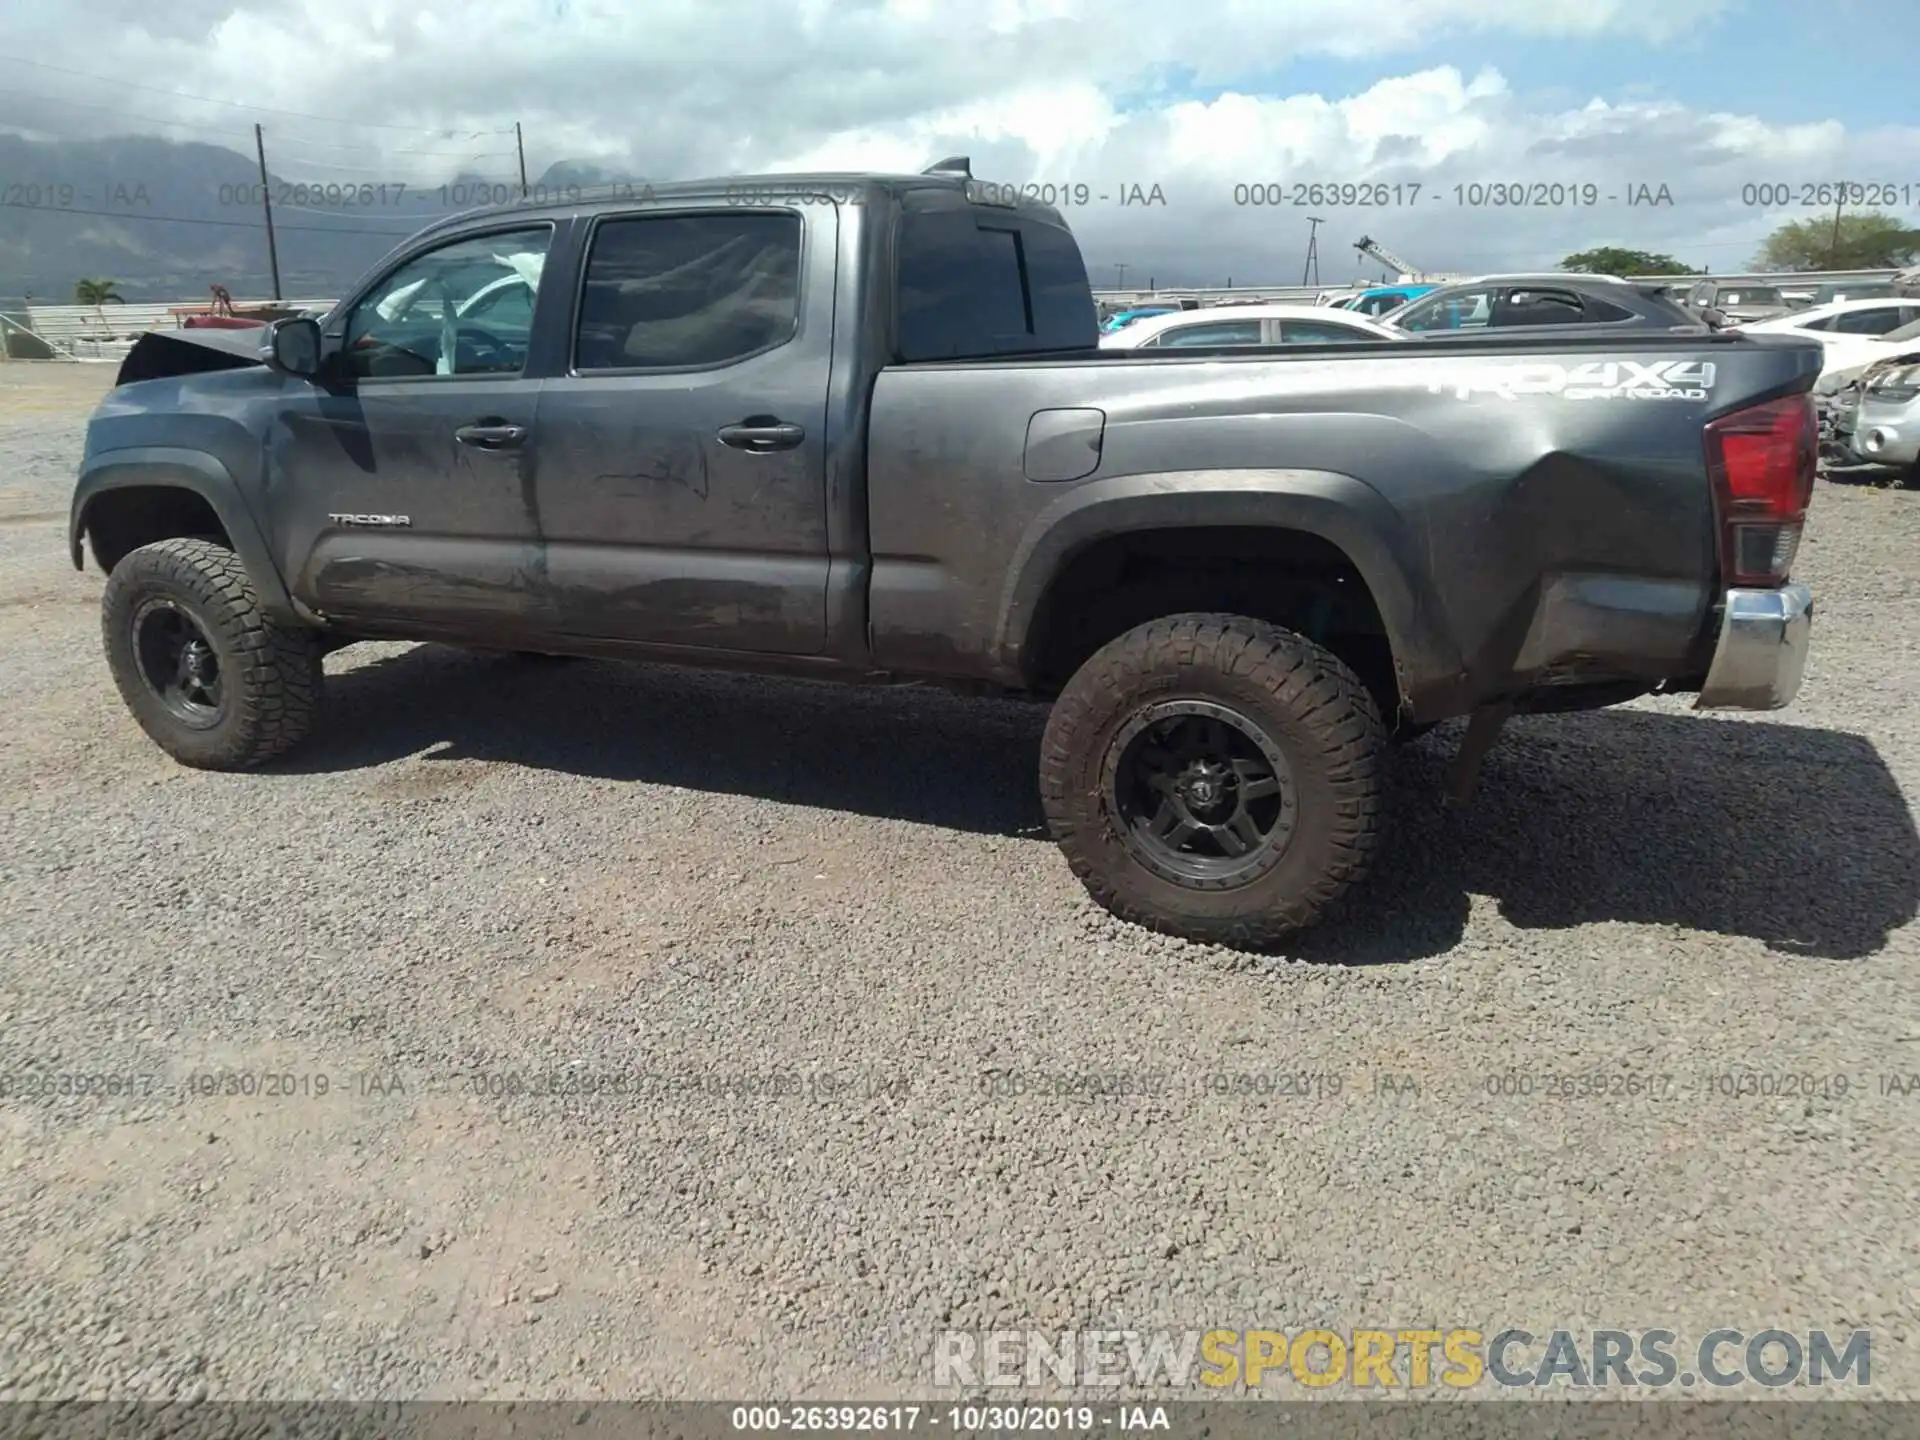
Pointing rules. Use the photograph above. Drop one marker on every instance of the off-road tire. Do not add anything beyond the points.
(270, 673)
(1312, 708)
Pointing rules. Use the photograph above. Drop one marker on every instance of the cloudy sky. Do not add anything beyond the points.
(1218, 103)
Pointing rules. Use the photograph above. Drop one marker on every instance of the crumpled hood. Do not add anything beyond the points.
(160, 353)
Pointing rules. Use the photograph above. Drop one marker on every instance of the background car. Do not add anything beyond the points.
(1120, 319)
(1850, 356)
(1248, 325)
(1874, 316)
(1384, 298)
(1834, 291)
(1887, 426)
(1737, 300)
(1508, 302)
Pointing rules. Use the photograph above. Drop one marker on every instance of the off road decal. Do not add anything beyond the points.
(1595, 380)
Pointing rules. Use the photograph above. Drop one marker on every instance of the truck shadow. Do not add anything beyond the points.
(1795, 837)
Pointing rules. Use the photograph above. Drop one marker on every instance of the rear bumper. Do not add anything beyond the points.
(1761, 651)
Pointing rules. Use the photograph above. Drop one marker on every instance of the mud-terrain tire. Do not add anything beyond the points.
(212, 680)
(1244, 734)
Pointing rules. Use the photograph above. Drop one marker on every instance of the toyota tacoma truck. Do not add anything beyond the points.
(859, 427)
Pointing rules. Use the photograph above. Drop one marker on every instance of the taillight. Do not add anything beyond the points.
(1762, 461)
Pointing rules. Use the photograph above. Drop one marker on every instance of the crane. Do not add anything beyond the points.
(1376, 251)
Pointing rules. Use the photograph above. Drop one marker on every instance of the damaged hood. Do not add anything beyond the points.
(162, 353)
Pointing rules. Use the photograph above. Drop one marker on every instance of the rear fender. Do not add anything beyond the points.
(1339, 509)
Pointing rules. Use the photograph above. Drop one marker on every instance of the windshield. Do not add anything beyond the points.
(1751, 295)
(1909, 331)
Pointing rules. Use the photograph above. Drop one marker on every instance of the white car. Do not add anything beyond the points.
(1849, 358)
(1851, 332)
(1248, 325)
(1843, 317)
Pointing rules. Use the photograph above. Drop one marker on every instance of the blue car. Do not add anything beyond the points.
(1379, 301)
(1121, 319)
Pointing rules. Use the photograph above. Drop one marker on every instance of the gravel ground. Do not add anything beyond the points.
(486, 868)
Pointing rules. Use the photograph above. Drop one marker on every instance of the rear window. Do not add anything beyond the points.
(976, 280)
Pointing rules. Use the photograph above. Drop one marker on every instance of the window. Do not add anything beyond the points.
(677, 292)
(1541, 307)
(462, 309)
(1231, 332)
(1875, 321)
(1320, 332)
(976, 280)
(1380, 304)
(1559, 307)
(1825, 322)
(1458, 310)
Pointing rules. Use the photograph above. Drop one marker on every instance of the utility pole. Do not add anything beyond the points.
(520, 149)
(1120, 277)
(266, 207)
(1833, 245)
(1314, 222)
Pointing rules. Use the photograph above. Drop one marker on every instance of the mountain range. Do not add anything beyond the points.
(165, 220)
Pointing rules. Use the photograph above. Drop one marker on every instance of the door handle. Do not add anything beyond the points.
(491, 435)
(762, 434)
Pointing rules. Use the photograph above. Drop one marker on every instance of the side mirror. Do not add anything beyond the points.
(293, 347)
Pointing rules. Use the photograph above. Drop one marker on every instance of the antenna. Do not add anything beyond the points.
(1314, 222)
(952, 165)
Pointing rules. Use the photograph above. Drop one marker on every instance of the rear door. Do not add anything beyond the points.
(681, 466)
(398, 487)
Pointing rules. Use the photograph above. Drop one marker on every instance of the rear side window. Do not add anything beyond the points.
(1558, 307)
(682, 292)
(977, 280)
(1319, 332)
(1230, 332)
(1876, 321)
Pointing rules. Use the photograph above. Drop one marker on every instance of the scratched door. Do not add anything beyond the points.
(680, 464)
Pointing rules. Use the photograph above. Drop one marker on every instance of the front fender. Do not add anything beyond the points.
(1337, 508)
(201, 474)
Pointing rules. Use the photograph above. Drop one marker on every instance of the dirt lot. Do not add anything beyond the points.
(487, 871)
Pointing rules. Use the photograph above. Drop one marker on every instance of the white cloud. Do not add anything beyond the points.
(1040, 90)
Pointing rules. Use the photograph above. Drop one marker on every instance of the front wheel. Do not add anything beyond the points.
(1215, 777)
(211, 678)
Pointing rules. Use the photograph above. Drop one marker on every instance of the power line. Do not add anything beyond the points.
(242, 134)
(253, 225)
(242, 105)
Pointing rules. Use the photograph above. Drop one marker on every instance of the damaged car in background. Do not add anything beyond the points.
(1840, 395)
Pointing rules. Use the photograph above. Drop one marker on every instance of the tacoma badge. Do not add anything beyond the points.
(384, 521)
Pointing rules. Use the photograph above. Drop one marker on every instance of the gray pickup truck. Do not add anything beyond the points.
(858, 427)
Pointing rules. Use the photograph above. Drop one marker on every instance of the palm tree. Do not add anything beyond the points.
(96, 292)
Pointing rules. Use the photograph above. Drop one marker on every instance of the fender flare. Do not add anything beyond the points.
(1343, 511)
(202, 475)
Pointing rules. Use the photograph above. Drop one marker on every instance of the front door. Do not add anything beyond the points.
(399, 487)
(681, 464)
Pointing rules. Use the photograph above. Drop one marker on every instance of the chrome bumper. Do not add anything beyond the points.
(1762, 650)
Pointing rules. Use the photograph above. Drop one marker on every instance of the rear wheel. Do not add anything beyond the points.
(1215, 777)
(212, 680)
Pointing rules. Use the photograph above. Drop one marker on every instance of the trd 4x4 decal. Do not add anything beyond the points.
(1595, 380)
